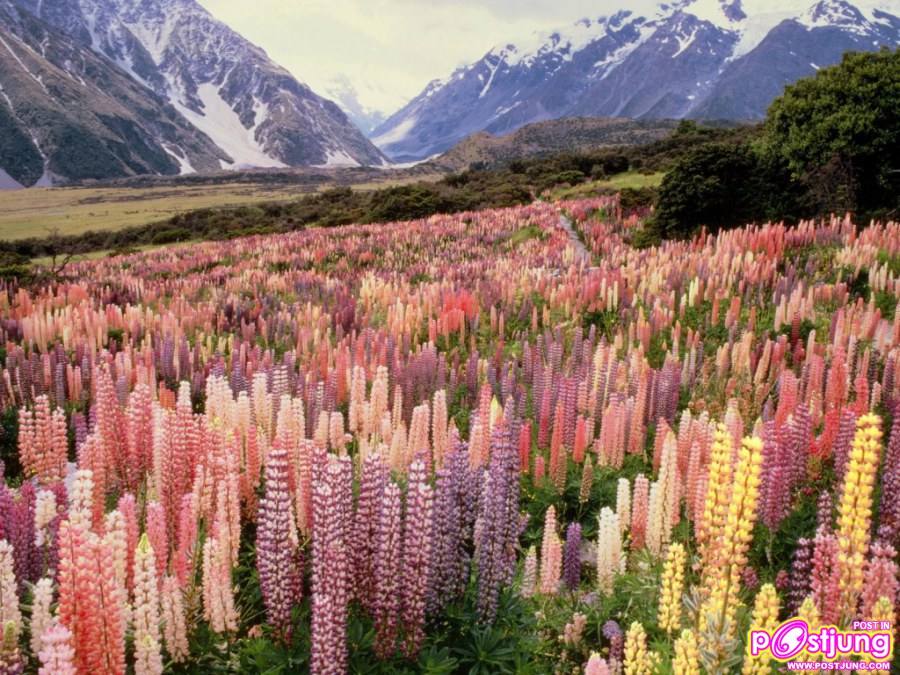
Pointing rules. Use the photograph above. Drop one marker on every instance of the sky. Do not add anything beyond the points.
(390, 49)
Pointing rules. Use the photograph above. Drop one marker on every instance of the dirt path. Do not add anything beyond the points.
(582, 255)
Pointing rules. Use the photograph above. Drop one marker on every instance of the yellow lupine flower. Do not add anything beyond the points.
(669, 616)
(722, 576)
(636, 658)
(687, 654)
(715, 505)
(765, 617)
(854, 521)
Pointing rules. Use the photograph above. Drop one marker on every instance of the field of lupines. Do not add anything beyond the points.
(457, 445)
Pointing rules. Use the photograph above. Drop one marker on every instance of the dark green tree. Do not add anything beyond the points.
(714, 185)
(839, 132)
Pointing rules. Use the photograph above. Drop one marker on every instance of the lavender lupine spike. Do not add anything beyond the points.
(465, 500)
(386, 607)
(416, 556)
(499, 518)
(889, 524)
(447, 530)
(572, 556)
(331, 568)
(365, 528)
(277, 550)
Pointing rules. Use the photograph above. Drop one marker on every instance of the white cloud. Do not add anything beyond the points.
(390, 49)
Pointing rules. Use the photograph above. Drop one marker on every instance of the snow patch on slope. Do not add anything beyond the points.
(224, 127)
(398, 133)
(155, 38)
(336, 158)
(754, 30)
(176, 153)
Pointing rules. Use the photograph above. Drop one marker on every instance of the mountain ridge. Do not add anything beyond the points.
(721, 59)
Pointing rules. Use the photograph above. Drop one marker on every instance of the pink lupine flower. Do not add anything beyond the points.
(57, 655)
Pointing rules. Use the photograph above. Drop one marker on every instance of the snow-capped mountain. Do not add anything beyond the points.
(247, 110)
(722, 59)
(67, 113)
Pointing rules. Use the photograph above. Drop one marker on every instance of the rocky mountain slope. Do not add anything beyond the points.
(712, 59)
(153, 86)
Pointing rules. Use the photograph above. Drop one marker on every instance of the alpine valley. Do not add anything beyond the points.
(703, 59)
(112, 88)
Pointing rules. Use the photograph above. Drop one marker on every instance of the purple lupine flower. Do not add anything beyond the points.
(889, 524)
(799, 438)
(824, 507)
(572, 556)
(386, 600)
(447, 529)
(417, 523)
(331, 568)
(365, 528)
(277, 554)
(499, 519)
(749, 578)
(776, 488)
(799, 578)
(842, 442)
(613, 632)
(20, 533)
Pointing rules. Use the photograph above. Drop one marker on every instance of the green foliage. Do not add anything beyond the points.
(526, 233)
(716, 186)
(886, 303)
(840, 131)
(14, 266)
(9, 451)
(606, 321)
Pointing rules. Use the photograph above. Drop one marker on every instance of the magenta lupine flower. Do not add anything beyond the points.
(365, 528)
(881, 578)
(499, 519)
(20, 532)
(572, 556)
(331, 568)
(824, 577)
(386, 608)
(277, 553)
(416, 556)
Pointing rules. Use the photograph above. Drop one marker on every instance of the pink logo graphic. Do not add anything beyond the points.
(872, 639)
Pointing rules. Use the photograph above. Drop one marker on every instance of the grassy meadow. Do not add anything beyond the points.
(74, 210)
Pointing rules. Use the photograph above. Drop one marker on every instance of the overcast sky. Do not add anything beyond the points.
(390, 49)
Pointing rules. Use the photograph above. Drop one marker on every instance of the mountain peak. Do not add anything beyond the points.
(253, 111)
